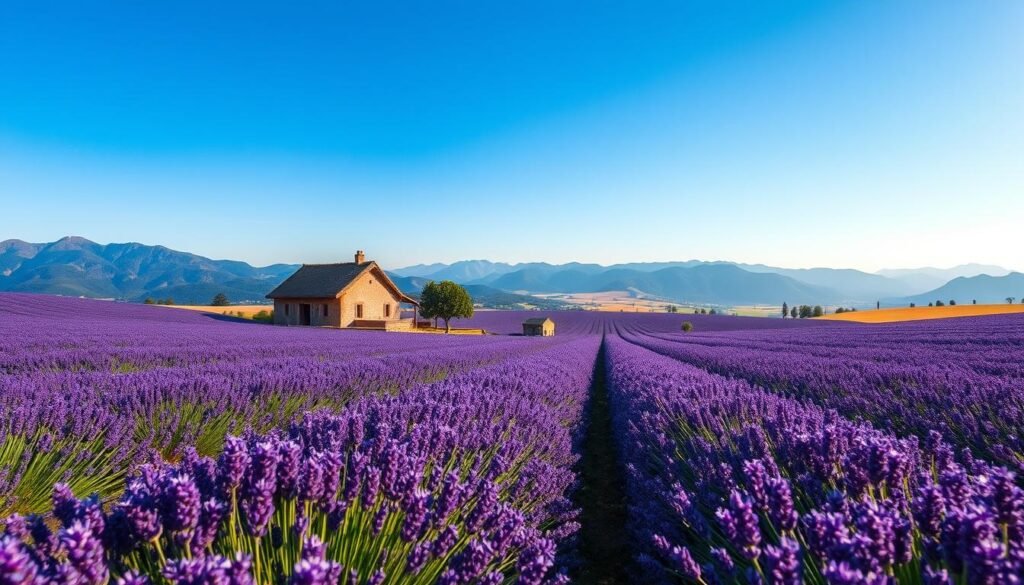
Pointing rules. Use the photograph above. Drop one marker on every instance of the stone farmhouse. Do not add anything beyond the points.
(348, 294)
(542, 326)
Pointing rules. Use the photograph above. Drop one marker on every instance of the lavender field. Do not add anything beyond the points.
(144, 444)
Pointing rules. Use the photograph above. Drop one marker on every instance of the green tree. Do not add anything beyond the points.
(940, 304)
(445, 300)
(793, 312)
(785, 310)
(912, 305)
(1011, 299)
(220, 300)
(687, 326)
(818, 311)
(149, 301)
(952, 303)
(712, 312)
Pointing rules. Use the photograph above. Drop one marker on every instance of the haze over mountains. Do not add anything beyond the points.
(75, 266)
(718, 281)
(78, 267)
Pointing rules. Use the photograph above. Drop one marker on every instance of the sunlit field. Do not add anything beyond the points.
(765, 446)
(921, 313)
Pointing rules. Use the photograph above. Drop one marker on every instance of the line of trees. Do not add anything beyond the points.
(802, 312)
(952, 302)
(152, 301)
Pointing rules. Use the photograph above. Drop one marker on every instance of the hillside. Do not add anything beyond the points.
(929, 278)
(75, 266)
(484, 295)
(705, 283)
(982, 288)
(845, 286)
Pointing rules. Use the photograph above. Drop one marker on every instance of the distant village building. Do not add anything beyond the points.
(348, 294)
(542, 326)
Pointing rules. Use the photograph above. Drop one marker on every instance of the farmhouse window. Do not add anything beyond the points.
(325, 310)
(387, 310)
(359, 311)
(286, 309)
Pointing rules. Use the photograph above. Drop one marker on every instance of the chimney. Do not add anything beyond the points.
(360, 257)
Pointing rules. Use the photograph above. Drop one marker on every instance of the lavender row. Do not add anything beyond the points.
(961, 377)
(730, 483)
(133, 338)
(599, 322)
(463, 480)
(89, 427)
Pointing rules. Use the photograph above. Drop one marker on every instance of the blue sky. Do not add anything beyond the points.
(865, 134)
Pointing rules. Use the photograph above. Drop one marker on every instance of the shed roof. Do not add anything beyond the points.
(319, 281)
(538, 321)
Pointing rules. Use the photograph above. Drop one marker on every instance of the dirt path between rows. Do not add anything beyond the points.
(604, 544)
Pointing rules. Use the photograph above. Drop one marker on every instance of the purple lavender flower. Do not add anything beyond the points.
(85, 553)
(133, 578)
(780, 504)
(316, 572)
(783, 562)
(233, 462)
(535, 561)
(16, 566)
(740, 524)
(180, 505)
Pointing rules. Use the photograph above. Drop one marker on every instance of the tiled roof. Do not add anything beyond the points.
(319, 281)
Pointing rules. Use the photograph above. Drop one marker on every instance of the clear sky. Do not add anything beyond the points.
(862, 133)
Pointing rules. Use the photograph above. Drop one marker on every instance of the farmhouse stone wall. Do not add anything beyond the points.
(373, 295)
(367, 291)
(289, 312)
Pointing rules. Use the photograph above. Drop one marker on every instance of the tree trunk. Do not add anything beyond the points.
(447, 327)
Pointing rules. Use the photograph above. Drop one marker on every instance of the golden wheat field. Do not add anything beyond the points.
(922, 313)
(234, 310)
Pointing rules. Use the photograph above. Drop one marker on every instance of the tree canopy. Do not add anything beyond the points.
(445, 300)
(220, 300)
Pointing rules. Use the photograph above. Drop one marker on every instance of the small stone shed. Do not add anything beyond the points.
(347, 294)
(542, 326)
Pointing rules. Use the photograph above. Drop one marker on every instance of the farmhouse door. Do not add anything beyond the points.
(304, 314)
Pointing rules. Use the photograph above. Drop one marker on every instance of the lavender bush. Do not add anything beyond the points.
(731, 483)
(403, 488)
(963, 378)
(89, 389)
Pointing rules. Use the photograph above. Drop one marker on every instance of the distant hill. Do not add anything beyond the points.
(845, 285)
(982, 288)
(705, 283)
(78, 267)
(853, 285)
(482, 294)
(927, 279)
(75, 266)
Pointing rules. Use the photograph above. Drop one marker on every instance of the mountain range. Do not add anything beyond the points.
(75, 266)
(79, 267)
(983, 288)
(714, 282)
